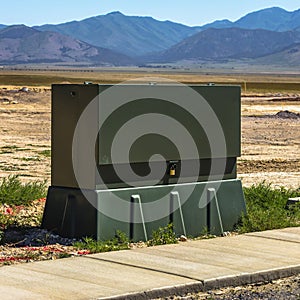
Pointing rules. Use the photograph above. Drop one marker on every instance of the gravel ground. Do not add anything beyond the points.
(35, 244)
(281, 289)
(26, 242)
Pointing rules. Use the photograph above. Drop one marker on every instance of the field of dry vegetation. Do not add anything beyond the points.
(270, 141)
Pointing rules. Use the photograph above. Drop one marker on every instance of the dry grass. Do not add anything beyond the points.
(250, 83)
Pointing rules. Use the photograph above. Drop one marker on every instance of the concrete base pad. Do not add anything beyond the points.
(193, 208)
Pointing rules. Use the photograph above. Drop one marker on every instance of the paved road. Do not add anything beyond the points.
(158, 271)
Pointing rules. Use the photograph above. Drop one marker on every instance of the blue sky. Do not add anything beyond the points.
(189, 12)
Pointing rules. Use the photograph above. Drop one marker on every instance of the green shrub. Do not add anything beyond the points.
(13, 192)
(120, 242)
(266, 208)
(163, 235)
(46, 153)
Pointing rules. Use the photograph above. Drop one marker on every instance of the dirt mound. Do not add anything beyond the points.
(283, 114)
(287, 115)
(286, 99)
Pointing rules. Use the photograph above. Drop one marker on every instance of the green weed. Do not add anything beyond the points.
(11, 149)
(266, 208)
(163, 235)
(46, 153)
(31, 158)
(10, 168)
(8, 149)
(39, 146)
(205, 235)
(14, 192)
(64, 255)
(120, 242)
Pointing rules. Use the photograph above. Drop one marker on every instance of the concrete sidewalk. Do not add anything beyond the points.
(158, 271)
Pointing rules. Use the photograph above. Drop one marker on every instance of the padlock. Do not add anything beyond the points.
(172, 171)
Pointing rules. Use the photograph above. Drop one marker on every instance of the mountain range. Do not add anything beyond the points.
(22, 44)
(273, 19)
(129, 35)
(116, 39)
(233, 43)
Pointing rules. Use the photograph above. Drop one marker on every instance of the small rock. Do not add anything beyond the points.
(226, 233)
(220, 292)
(24, 89)
(183, 238)
(5, 99)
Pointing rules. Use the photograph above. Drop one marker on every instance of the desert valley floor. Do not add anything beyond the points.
(270, 141)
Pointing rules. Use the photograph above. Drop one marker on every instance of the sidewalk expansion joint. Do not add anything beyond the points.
(143, 268)
(273, 238)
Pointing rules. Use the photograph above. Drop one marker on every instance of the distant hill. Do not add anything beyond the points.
(274, 19)
(289, 57)
(22, 44)
(219, 24)
(2, 26)
(234, 43)
(127, 34)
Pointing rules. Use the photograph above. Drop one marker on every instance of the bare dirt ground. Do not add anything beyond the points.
(270, 143)
(271, 140)
(25, 133)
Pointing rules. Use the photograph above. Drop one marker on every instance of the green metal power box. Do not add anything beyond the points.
(134, 157)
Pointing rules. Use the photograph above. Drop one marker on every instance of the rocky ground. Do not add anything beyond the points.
(26, 242)
(281, 289)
